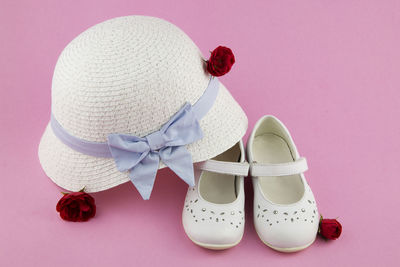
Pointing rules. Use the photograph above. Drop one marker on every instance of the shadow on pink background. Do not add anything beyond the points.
(330, 70)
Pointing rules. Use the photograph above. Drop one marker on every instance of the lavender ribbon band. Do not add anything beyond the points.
(141, 156)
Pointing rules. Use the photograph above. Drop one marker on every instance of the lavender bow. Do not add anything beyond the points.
(141, 155)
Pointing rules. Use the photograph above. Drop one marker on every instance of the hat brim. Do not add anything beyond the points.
(223, 126)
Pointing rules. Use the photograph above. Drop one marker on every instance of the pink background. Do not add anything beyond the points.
(328, 69)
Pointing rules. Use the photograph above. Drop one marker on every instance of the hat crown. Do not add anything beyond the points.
(126, 75)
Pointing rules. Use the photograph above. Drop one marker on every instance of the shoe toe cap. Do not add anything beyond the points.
(288, 234)
(210, 232)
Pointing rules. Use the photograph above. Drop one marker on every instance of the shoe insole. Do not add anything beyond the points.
(271, 148)
(220, 188)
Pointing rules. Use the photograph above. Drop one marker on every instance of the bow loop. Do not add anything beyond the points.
(183, 128)
(141, 156)
(127, 150)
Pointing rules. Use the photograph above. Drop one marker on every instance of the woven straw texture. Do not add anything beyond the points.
(129, 75)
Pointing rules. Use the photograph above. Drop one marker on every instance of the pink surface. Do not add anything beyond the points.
(328, 69)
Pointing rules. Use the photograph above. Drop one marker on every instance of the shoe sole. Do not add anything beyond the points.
(216, 246)
(287, 250)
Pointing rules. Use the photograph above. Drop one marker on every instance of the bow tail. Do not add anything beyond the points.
(179, 160)
(144, 173)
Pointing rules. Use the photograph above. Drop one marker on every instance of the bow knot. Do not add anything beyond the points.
(155, 140)
(141, 156)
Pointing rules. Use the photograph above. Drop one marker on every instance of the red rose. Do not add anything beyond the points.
(221, 61)
(76, 207)
(330, 228)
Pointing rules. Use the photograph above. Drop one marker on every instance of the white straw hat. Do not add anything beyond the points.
(129, 75)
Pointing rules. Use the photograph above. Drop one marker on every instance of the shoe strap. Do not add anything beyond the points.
(279, 169)
(224, 167)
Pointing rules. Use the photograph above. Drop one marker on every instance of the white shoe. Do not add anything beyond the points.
(213, 214)
(285, 213)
